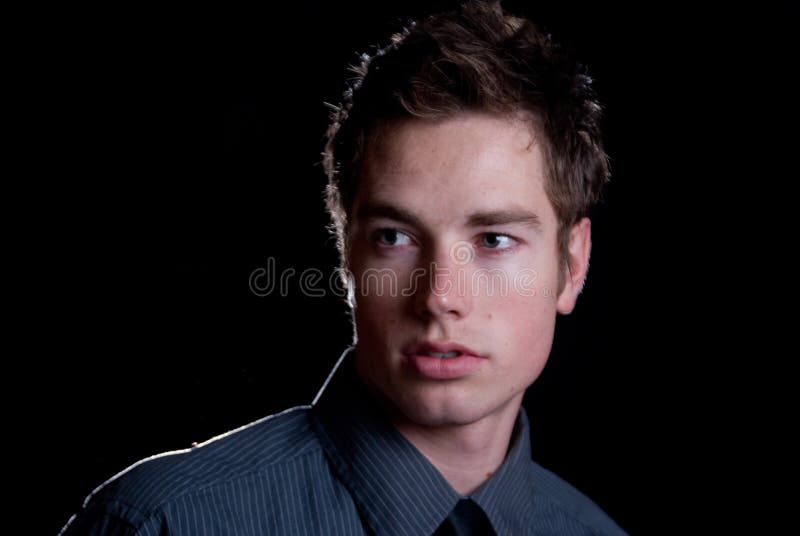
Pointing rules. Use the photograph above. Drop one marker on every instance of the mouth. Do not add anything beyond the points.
(441, 361)
(448, 350)
(441, 355)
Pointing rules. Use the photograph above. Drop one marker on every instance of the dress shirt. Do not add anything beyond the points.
(337, 466)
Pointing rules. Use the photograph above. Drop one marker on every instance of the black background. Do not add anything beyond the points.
(188, 147)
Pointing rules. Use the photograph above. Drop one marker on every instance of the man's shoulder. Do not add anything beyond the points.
(239, 454)
(557, 498)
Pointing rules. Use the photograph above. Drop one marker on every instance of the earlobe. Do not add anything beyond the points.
(579, 247)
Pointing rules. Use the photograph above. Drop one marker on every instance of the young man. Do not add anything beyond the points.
(461, 169)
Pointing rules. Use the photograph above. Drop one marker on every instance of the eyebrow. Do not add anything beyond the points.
(504, 217)
(478, 219)
(383, 210)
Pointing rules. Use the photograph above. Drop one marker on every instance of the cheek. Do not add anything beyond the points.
(377, 317)
(522, 328)
(524, 315)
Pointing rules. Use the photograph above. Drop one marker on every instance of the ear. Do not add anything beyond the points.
(580, 244)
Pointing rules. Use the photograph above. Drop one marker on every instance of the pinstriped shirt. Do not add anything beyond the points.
(335, 467)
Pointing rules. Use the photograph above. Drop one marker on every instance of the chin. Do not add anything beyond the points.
(438, 411)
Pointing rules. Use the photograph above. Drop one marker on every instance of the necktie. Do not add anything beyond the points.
(466, 519)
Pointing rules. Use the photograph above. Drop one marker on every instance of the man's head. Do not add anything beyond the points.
(476, 58)
(462, 167)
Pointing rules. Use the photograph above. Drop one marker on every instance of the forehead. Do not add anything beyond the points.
(468, 163)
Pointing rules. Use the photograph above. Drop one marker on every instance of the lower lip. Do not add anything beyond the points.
(448, 368)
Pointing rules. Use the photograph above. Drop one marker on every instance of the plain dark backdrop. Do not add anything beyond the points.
(194, 142)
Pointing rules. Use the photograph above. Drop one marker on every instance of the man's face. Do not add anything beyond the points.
(453, 242)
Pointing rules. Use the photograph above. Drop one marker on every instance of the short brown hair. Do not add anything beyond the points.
(474, 58)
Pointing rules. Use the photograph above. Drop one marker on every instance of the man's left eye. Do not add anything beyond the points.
(496, 241)
(389, 237)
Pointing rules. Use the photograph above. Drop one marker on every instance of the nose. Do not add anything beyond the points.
(443, 291)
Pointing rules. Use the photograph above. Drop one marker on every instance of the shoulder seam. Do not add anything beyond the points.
(190, 492)
(183, 451)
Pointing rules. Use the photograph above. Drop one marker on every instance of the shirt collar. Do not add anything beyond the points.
(397, 490)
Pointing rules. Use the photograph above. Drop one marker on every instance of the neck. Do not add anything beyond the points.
(467, 455)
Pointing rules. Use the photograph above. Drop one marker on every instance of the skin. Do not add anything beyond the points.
(439, 174)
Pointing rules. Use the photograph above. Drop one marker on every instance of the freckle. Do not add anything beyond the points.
(490, 315)
(489, 474)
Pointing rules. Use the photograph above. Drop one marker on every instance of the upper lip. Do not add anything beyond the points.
(438, 347)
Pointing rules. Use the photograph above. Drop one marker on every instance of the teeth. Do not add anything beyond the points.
(441, 355)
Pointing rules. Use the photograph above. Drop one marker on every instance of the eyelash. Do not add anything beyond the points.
(378, 234)
(510, 238)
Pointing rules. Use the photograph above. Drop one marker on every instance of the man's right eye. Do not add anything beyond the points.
(392, 237)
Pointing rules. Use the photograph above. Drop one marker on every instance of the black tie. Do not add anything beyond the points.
(466, 519)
